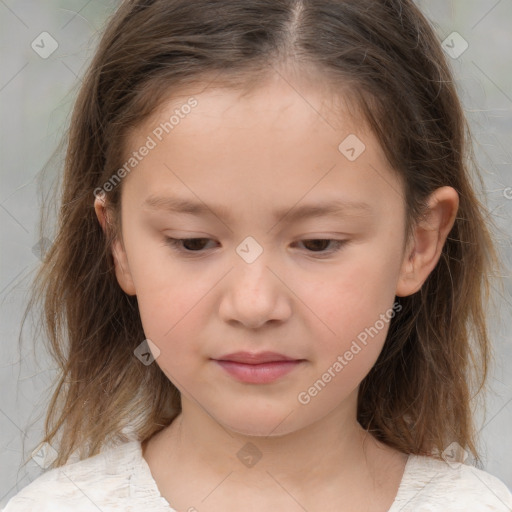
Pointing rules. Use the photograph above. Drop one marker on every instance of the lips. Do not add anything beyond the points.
(255, 358)
(257, 368)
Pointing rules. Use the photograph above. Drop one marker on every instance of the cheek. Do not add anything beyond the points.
(169, 318)
(167, 296)
(349, 306)
(169, 305)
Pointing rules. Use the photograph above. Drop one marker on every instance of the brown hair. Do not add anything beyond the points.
(417, 397)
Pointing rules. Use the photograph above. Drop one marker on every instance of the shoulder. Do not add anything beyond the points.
(98, 482)
(433, 485)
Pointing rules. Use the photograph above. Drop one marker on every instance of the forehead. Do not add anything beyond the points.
(275, 92)
(279, 139)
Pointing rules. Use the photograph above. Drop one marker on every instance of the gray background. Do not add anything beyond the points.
(36, 95)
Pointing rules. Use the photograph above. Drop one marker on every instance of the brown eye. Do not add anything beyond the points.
(194, 244)
(187, 244)
(317, 244)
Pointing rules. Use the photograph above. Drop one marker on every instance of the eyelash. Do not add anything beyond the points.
(175, 244)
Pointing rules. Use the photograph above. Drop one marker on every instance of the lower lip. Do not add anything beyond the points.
(258, 373)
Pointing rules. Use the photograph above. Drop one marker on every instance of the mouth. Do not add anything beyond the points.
(257, 368)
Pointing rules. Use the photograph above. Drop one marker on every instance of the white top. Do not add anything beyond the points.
(119, 479)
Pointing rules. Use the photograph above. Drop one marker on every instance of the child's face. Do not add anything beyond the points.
(246, 158)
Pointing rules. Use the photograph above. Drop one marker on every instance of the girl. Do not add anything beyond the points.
(267, 289)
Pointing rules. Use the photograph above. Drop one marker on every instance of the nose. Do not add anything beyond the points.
(254, 295)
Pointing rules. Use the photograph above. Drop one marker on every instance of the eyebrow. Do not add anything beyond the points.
(336, 207)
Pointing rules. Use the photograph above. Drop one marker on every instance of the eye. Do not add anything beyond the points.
(187, 245)
(318, 245)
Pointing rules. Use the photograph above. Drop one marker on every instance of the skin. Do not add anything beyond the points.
(273, 148)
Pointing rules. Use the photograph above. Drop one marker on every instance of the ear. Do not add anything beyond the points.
(122, 269)
(427, 241)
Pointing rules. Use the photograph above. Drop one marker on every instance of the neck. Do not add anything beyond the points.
(334, 447)
(196, 459)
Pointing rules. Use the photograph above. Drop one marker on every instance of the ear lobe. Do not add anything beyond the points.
(429, 236)
(122, 269)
